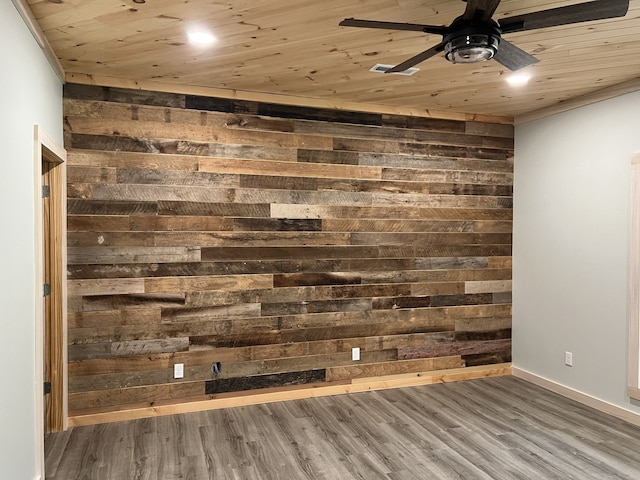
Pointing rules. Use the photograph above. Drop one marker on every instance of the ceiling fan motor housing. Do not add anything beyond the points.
(471, 42)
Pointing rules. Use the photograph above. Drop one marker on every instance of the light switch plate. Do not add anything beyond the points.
(178, 370)
(568, 359)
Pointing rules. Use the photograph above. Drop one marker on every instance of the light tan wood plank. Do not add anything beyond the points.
(105, 286)
(216, 282)
(132, 254)
(489, 286)
(392, 368)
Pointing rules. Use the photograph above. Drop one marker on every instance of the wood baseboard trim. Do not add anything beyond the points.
(279, 395)
(580, 397)
(634, 393)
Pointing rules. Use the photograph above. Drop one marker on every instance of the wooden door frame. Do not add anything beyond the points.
(47, 149)
(634, 282)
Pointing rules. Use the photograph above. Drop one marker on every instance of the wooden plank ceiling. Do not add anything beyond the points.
(297, 48)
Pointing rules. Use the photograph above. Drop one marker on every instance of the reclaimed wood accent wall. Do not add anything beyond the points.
(257, 244)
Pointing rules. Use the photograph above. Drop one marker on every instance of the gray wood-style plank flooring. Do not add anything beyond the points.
(496, 428)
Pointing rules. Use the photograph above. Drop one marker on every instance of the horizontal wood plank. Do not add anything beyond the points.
(392, 368)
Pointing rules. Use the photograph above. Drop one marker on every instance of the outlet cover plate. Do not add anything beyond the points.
(178, 370)
(355, 353)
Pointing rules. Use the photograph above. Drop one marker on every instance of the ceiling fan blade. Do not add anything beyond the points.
(512, 57)
(421, 57)
(480, 10)
(581, 12)
(414, 27)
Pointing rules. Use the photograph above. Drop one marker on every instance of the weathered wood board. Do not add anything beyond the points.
(271, 240)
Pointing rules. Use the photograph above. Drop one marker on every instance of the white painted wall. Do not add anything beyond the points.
(30, 93)
(571, 228)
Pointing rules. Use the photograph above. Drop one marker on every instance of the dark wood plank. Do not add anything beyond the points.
(433, 150)
(212, 209)
(111, 94)
(319, 306)
(264, 381)
(327, 156)
(302, 279)
(432, 301)
(423, 123)
(321, 114)
(111, 207)
(287, 253)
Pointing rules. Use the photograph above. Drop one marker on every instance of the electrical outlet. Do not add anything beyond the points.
(355, 353)
(178, 370)
(568, 359)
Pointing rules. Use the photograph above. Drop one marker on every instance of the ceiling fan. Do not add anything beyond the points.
(475, 37)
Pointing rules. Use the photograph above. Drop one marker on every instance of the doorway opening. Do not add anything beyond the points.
(51, 288)
(634, 282)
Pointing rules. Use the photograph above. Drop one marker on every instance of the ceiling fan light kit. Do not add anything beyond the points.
(471, 48)
(474, 37)
(471, 43)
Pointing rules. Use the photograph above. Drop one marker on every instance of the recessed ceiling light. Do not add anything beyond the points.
(201, 38)
(518, 79)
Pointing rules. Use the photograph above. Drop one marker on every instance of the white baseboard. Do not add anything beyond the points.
(580, 397)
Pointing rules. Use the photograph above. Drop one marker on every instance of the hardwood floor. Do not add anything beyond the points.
(497, 428)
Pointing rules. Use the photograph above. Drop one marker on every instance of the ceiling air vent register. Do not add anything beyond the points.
(381, 68)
